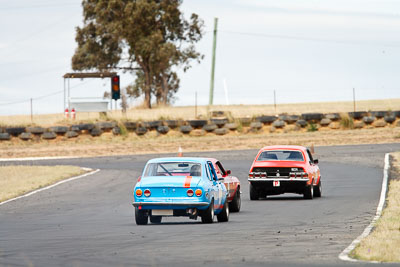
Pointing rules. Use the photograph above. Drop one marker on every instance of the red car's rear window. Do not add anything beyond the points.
(278, 155)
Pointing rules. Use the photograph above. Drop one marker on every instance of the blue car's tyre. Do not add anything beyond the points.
(207, 215)
(155, 219)
(141, 217)
(223, 216)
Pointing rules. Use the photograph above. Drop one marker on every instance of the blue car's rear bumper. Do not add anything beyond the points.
(171, 204)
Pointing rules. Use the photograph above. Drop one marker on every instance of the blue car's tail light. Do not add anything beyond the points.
(198, 192)
(139, 192)
(147, 193)
(190, 192)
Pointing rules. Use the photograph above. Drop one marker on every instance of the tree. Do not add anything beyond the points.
(150, 38)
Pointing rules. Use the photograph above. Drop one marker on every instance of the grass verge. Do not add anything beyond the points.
(383, 244)
(18, 180)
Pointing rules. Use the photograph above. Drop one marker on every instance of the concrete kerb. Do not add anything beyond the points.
(345, 253)
(91, 171)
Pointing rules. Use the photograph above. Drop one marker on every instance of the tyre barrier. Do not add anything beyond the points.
(245, 121)
(333, 116)
(266, 119)
(389, 118)
(86, 126)
(58, 129)
(163, 129)
(325, 122)
(221, 131)
(199, 127)
(313, 117)
(15, 131)
(368, 119)
(301, 123)
(378, 114)
(5, 136)
(152, 125)
(71, 134)
(231, 126)
(358, 115)
(106, 125)
(130, 125)
(49, 135)
(278, 124)
(197, 124)
(396, 113)
(35, 130)
(220, 122)
(289, 119)
(141, 130)
(256, 125)
(209, 127)
(172, 124)
(74, 128)
(186, 129)
(116, 131)
(25, 136)
(96, 132)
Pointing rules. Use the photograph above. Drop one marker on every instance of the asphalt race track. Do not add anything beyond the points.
(90, 221)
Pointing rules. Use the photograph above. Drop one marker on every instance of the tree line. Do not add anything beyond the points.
(149, 38)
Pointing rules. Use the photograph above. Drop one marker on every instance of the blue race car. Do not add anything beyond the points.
(180, 187)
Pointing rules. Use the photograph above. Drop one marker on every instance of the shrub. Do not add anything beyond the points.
(346, 121)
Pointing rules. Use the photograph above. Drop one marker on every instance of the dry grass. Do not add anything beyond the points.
(107, 144)
(383, 244)
(188, 112)
(18, 180)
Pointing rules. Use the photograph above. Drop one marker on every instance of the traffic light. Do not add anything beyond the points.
(115, 94)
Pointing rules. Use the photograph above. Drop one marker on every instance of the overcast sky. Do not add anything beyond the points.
(305, 50)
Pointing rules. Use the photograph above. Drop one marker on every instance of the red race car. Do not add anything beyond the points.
(232, 185)
(284, 169)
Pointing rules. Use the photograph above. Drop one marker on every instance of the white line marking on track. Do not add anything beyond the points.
(53, 185)
(345, 253)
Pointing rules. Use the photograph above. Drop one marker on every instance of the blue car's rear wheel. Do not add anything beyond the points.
(141, 217)
(207, 215)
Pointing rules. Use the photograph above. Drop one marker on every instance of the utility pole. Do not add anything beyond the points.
(354, 99)
(210, 102)
(275, 101)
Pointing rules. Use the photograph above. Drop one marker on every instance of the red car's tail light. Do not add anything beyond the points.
(139, 192)
(305, 175)
(198, 192)
(190, 192)
(292, 175)
(251, 175)
(263, 175)
(147, 193)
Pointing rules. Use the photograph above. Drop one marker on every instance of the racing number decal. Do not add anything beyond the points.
(276, 183)
(187, 181)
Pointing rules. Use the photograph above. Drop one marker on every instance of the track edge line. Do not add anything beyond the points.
(53, 185)
(344, 255)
